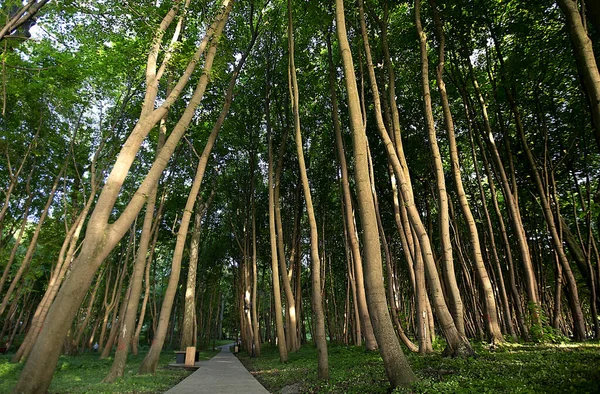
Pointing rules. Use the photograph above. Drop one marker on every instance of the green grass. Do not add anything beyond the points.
(573, 368)
(84, 374)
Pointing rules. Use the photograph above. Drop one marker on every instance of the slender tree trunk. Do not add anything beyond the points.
(586, 61)
(65, 257)
(397, 369)
(100, 236)
(254, 306)
(189, 309)
(125, 338)
(457, 343)
(317, 301)
(494, 249)
(515, 214)
(88, 312)
(13, 254)
(279, 330)
(452, 292)
(117, 322)
(291, 315)
(491, 310)
(151, 360)
(388, 263)
(32, 243)
(14, 179)
(365, 320)
(154, 231)
(573, 295)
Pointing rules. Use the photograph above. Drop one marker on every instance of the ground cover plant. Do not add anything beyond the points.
(557, 368)
(84, 374)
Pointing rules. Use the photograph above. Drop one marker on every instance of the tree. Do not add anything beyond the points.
(397, 369)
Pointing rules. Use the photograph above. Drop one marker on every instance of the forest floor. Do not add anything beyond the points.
(84, 373)
(560, 368)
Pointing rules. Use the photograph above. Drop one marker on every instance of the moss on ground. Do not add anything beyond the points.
(573, 368)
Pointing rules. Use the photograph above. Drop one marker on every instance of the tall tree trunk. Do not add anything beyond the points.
(365, 321)
(32, 243)
(13, 252)
(154, 231)
(65, 258)
(388, 262)
(397, 369)
(14, 179)
(117, 322)
(101, 237)
(88, 312)
(291, 335)
(452, 291)
(118, 367)
(151, 360)
(253, 304)
(317, 299)
(511, 203)
(457, 343)
(573, 294)
(279, 330)
(491, 310)
(189, 315)
(494, 249)
(586, 61)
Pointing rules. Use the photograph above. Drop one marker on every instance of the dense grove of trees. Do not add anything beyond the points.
(378, 173)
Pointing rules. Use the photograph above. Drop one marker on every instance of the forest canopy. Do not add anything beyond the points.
(385, 174)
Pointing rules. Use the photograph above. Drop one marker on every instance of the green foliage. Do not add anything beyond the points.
(510, 369)
(84, 374)
(543, 332)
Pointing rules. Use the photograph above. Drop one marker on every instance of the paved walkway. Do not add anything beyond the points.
(222, 374)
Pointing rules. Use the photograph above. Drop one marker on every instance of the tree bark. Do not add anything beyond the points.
(279, 330)
(397, 369)
(365, 320)
(491, 309)
(151, 360)
(452, 291)
(317, 299)
(101, 237)
(586, 61)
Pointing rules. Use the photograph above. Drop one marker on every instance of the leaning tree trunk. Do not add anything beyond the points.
(501, 284)
(457, 344)
(189, 310)
(151, 360)
(397, 369)
(515, 215)
(118, 367)
(586, 61)
(491, 310)
(279, 330)
(361, 301)
(101, 237)
(317, 298)
(579, 331)
(291, 316)
(452, 291)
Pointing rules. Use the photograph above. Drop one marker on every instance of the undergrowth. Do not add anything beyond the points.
(84, 373)
(567, 368)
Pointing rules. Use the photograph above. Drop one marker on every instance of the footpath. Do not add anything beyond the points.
(222, 374)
